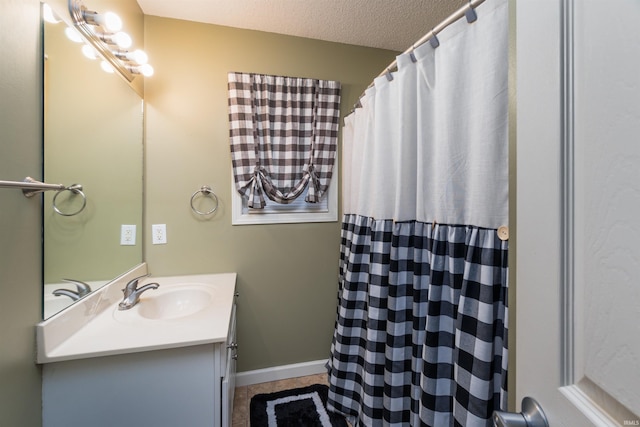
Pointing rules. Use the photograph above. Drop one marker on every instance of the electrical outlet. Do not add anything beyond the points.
(127, 235)
(159, 234)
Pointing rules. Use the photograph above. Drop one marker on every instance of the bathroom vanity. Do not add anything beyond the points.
(168, 361)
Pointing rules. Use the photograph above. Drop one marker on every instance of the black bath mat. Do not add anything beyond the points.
(298, 407)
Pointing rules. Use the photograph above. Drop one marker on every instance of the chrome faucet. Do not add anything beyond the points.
(82, 290)
(132, 293)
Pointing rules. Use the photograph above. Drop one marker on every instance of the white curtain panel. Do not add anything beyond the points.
(431, 145)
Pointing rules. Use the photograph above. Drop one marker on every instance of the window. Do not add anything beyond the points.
(283, 139)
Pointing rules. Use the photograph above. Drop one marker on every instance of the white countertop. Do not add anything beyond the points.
(94, 327)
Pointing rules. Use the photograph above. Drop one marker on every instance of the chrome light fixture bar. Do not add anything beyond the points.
(89, 24)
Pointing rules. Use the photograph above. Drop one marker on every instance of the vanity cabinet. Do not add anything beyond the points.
(183, 386)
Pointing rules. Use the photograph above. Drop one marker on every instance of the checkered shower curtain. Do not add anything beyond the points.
(421, 333)
(283, 136)
(421, 329)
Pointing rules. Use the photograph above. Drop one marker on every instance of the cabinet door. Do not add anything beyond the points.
(229, 379)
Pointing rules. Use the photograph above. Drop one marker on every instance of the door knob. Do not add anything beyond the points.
(532, 415)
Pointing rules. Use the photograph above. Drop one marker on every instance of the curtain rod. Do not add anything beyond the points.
(431, 34)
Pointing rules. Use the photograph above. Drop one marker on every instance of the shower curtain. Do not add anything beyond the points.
(421, 330)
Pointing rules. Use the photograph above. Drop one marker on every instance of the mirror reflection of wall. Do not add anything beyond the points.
(93, 136)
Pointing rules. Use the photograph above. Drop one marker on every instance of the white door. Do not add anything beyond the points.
(578, 210)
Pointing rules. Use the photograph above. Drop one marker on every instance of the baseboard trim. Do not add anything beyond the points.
(282, 372)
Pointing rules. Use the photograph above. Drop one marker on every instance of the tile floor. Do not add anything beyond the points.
(244, 394)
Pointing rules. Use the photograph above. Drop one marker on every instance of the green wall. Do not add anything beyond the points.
(20, 218)
(287, 274)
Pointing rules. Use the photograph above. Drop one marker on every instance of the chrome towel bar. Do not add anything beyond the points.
(30, 187)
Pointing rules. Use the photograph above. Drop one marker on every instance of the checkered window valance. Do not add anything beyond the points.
(283, 135)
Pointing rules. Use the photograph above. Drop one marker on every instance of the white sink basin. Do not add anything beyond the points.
(175, 301)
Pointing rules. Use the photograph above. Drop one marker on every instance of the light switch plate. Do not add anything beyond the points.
(159, 234)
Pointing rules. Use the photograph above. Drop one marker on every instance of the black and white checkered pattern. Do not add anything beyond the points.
(421, 330)
(284, 133)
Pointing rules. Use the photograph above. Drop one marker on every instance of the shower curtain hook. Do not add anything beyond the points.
(471, 14)
(388, 75)
(433, 41)
(356, 105)
(411, 55)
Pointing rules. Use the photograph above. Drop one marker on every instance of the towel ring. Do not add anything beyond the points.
(75, 189)
(206, 191)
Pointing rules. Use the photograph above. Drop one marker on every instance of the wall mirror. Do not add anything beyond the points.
(93, 136)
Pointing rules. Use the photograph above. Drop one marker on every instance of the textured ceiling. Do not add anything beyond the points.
(387, 24)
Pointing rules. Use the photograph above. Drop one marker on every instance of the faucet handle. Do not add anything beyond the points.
(133, 283)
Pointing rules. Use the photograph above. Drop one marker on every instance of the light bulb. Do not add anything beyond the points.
(110, 21)
(146, 70)
(48, 15)
(139, 56)
(73, 35)
(106, 67)
(122, 39)
(89, 52)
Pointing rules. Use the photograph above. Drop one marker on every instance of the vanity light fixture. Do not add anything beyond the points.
(103, 32)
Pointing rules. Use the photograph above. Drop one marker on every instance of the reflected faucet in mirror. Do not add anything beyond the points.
(82, 289)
